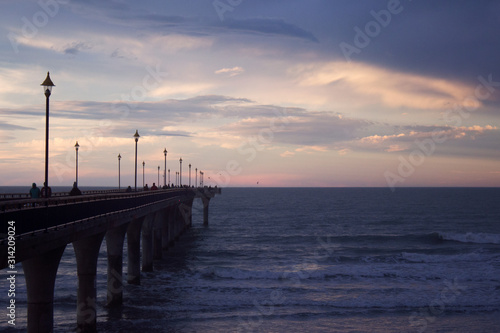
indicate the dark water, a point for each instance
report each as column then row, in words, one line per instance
column 315, row 260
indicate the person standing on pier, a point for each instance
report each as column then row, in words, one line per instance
column 34, row 191
column 46, row 191
column 75, row 190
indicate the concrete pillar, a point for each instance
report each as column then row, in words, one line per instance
column 186, row 213
column 134, row 251
column 147, row 243
column 87, row 252
column 40, row 273
column 114, row 242
column 206, row 201
column 165, row 238
column 178, row 222
column 157, row 229
column 173, row 227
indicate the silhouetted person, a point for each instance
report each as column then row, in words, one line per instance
column 34, row 191
column 46, row 191
column 146, row 188
column 75, row 190
column 129, row 189
column 154, row 187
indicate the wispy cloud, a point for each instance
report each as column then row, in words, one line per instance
column 231, row 71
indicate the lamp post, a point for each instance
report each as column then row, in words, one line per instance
column 143, row 164
column 136, row 137
column 165, row 170
column 76, row 149
column 189, row 174
column 158, row 175
column 196, row 177
column 47, row 88
column 168, row 177
column 119, row 158
column 180, row 172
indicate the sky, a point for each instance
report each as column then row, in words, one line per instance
column 253, row 93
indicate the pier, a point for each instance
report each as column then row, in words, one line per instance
column 151, row 220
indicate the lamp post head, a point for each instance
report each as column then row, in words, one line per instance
column 47, row 85
column 180, row 160
column 119, row 157
column 143, row 163
column 136, row 136
column 165, row 151
column 77, row 146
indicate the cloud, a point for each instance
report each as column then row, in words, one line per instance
column 152, row 20
column 287, row 154
column 394, row 89
column 268, row 26
column 76, row 47
column 449, row 136
column 230, row 71
column 9, row 127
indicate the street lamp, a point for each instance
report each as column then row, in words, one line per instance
column 119, row 158
column 168, row 177
column 136, row 137
column 143, row 164
column 47, row 88
column 165, row 171
column 196, row 177
column 180, row 172
column 189, row 174
column 76, row 148
column 158, row 175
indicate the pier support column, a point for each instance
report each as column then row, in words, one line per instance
column 134, row 251
column 178, row 222
column 158, row 225
column 172, row 225
column 186, row 213
column 40, row 273
column 165, row 238
column 87, row 252
column 114, row 241
column 147, row 243
column 206, row 201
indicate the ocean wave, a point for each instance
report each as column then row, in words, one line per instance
column 441, row 258
column 341, row 273
column 470, row 237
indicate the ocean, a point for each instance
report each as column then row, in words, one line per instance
column 312, row 260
